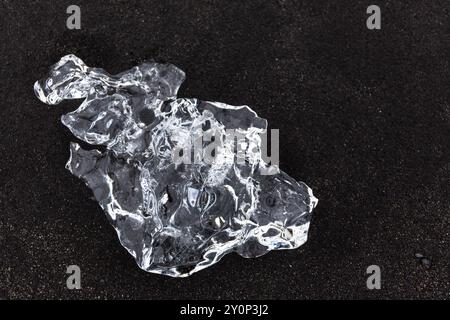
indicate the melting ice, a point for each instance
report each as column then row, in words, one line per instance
column 175, row 218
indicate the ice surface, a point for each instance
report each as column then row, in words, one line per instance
column 176, row 212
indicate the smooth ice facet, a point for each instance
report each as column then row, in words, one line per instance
column 175, row 218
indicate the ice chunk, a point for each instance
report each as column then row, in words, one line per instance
column 178, row 205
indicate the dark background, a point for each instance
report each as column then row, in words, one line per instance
column 363, row 118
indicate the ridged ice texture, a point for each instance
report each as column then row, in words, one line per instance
column 175, row 219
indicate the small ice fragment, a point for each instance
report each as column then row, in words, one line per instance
column 175, row 218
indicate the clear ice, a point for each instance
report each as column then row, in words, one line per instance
column 175, row 218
